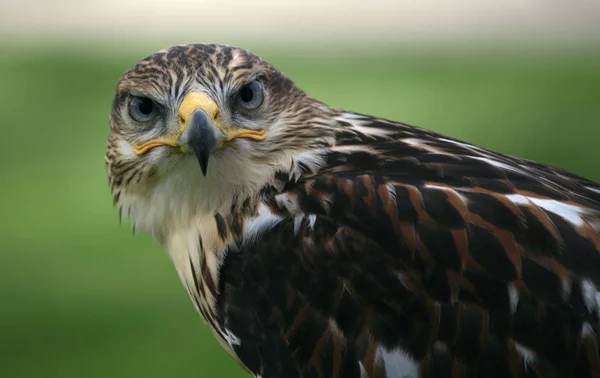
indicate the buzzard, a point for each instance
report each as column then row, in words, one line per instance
column 318, row 242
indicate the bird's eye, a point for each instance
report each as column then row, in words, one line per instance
column 251, row 95
column 142, row 109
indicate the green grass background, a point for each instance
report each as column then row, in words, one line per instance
column 81, row 297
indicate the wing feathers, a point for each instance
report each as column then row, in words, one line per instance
column 413, row 255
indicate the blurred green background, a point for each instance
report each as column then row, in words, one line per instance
column 81, row 297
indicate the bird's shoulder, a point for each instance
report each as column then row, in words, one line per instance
column 410, row 253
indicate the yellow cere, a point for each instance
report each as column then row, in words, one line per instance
column 195, row 101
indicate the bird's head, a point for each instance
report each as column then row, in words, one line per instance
column 193, row 127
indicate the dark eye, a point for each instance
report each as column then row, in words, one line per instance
column 142, row 109
column 251, row 95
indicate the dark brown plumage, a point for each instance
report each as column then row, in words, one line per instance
column 343, row 245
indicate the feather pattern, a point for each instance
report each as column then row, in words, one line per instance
column 347, row 245
column 427, row 257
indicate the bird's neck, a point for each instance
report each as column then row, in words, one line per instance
column 198, row 241
column 197, row 252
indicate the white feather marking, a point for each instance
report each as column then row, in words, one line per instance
column 335, row 327
column 414, row 142
column 299, row 218
column 313, row 159
column 448, row 190
column 588, row 290
column 312, row 218
column 288, row 202
column 125, row 149
column 371, row 131
column 353, row 148
column 401, row 279
column 498, row 164
column 264, row 221
column 461, row 144
column 231, row 338
column 513, row 296
column 350, row 116
column 363, row 371
column 570, row 213
column 593, row 189
column 595, row 225
column 422, row 145
column 433, row 186
column 397, row 363
column 591, row 296
column 587, row 331
column 519, row 199
column 298, row 222
column 392, row 190
column 527, row 356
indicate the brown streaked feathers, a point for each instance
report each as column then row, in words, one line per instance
column 346, row 245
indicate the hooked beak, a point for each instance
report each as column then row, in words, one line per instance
column 199, row 130
column 201, row 137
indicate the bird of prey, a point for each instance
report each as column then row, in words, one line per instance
column 318, row 242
